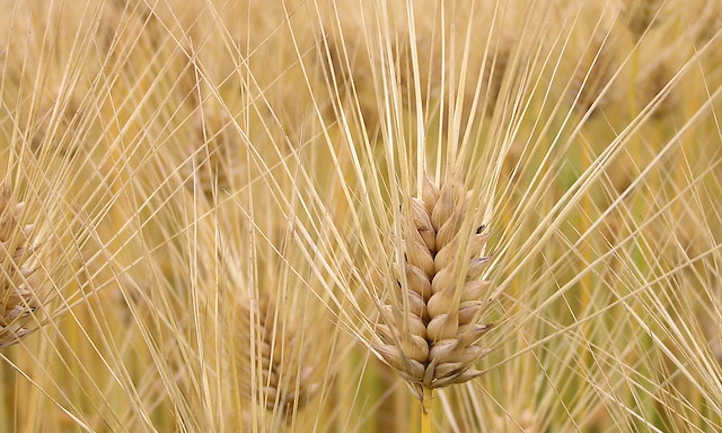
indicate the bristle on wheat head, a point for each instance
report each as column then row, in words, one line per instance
column 17, row 300
column 274, row 341
column 431, row 336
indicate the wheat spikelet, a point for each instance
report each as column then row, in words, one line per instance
column 17, row 299
column 434, row 342
column 640, row 15
column 215, row 157
column 590, row 80
column 346, row 76
column 497, row 66
column 55, row 117
column 654, row 85
column 274, row 343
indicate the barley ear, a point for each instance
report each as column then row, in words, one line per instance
column 431, row 337
column 274, row 343
column 18, row 296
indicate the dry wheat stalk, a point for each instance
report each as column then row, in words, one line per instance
column 435, row 341
column 17, row 297
column 274, row 342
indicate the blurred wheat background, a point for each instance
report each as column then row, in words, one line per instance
column 208, row 207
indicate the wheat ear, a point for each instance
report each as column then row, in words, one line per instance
column 431, row 336
column 17, row 297
column 274, row 343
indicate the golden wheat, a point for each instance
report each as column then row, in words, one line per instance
column 228, row 224
column 279, row 352
column 435, row 343
column 19, row 296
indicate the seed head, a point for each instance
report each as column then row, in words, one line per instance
column 431, row 336
column 215, row 158
column 17, row 300
column 274, row 344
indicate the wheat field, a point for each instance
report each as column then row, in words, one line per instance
column 360, row 216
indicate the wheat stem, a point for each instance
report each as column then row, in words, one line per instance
column 426, row 411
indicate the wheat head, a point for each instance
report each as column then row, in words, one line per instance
column 435, row 341
column 274, row 344
column 17, row 297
